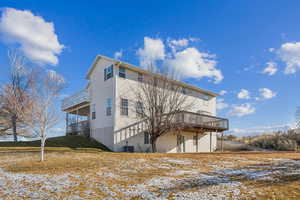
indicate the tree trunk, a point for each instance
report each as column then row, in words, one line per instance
column 14, row 126
column 153, row 145
column 43, row 140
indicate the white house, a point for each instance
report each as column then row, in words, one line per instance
column 101, row 110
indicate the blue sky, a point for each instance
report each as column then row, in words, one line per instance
column 238, row 39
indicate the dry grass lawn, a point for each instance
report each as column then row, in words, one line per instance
column 91, row 174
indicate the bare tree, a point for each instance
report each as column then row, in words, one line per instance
column 5, row 123
column 13, row 94
column 158, row 99
column 42, row 114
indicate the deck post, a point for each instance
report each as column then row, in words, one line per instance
column 197, row 142
column 222, row 142
column 210, row 136
column 67, row 123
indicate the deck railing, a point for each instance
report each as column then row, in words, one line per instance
column 201, row 121
column 75, row 99
column 183, row 119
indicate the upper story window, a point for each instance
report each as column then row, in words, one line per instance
column 124, row 107
column 139, row 109
column 140, row 77
column 108, row 72
column 93, row 111
column 108, row 107
column 122, row 72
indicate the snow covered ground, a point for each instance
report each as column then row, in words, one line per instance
column 162, row 177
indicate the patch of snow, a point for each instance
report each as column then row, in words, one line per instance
column 216, row 192
column 182, row 172
column 177, row 161
column 33, row 186
column 161, row 182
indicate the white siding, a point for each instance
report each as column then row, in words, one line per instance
column 100, row 90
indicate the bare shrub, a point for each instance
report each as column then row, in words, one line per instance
column 277, row 141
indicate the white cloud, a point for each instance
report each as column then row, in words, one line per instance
column 271, row 68
column 154, row 50
column 271, row 49
column 221, row 104
column 289, row 53
column 180, row 43
column 241, row 110
column 118, row 54
column 265, row 94
column 36, row 37
column 190, row 62
column 186, row 61
column 243, row 94
column 223, row 92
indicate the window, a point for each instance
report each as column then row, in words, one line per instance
column 139, row 109
column 183, row 90
column 93, row 111
column 108, row 72
column 140, row 77
column 124, row 107
column 108, row 106
column 122, row 72
column 146, row 138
